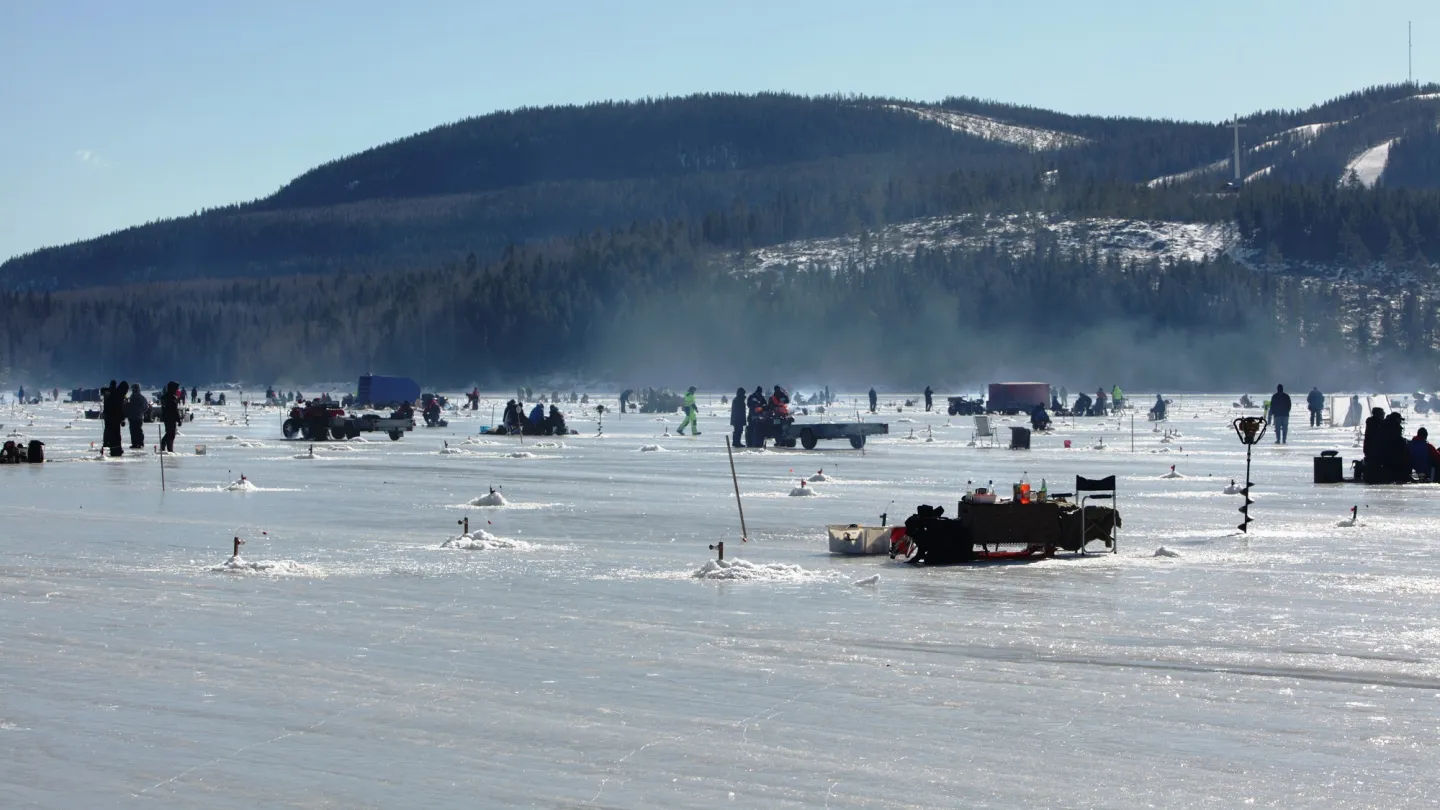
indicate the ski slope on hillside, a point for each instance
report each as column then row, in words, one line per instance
column 1368, row 166
column 1033, row 138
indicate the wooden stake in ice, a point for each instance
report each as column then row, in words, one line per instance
column 734, row 479
column 238, row 544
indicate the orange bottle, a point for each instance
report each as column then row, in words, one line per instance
column 1025, row 488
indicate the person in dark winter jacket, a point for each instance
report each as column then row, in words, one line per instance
column 1397, row 449
column 170, row 415
column 112, row 411
column 1280, row 414
column 1316, row 403
column 136, row 407
column 555, row 423
column 1424, row 458
column 738, row 417
column 537, row 418
column 929, row 398
column 873, row 400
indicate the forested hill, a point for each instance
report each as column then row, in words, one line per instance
column 464, row 192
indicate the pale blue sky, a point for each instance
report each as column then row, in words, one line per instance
column 117, row 112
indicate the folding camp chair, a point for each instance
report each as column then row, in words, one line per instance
column 983, row 430
column 1105, row 491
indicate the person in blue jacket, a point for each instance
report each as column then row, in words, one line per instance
column 537, row 417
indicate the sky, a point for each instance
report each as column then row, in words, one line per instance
column 120, row 113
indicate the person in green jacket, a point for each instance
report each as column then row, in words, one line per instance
column 1117, row 398
column 688, row 404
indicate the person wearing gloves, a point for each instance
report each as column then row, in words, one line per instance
column 691, row 414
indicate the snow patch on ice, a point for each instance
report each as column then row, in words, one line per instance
column 520, row 454
column 873, row 579
column 652, row 448
column 239, row 565
column 803, row 491
column 490, row 499
column 1165, row 552
column 485, row 541
column 757, row 572
column 243, row 485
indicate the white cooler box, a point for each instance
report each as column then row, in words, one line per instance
column 857, row 539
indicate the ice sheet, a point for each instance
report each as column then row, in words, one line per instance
column 1297, row 665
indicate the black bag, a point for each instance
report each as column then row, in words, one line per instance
column 36, row 453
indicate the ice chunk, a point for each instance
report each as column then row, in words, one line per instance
column 484, row 541
column 746, row 570
column 873, row 579
column 1165, row 552
column 492, row 498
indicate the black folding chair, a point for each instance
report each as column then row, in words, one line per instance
column 1104, row 489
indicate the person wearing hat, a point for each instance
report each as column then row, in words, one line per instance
column 738, row 416
column 170, row 414
column 691, row 412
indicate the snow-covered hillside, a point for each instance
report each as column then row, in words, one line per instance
column 1033, row 138
column 1367, row 167
column 1125, row 239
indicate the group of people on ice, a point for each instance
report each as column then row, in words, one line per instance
column 538, row 423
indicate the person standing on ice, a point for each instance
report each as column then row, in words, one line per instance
column 873, row 400
column 691, row 414
column 1316, row 401
column 929, row 398
column 135, row 409
column 738, row 416
column 1280, row 414
column 1117, row 398
column 112, row 411
column 170, row 415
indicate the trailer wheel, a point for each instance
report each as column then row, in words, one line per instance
column 291, row 428
column 351, row 432
column 807, row 439
column 857, row 442
column 396, row 434
column 337, row 433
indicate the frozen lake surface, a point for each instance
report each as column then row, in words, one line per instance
column 567, row 656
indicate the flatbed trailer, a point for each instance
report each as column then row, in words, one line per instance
column 787, row 433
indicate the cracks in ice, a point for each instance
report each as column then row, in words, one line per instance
column 742, row 724
column 312, row 727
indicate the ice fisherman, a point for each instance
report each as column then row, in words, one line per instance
column 1039, row 419
column 1316, row 402
column 555, row 423
column 873, row 400
column 1280, row 414
column 780, row 402
column 1424, row 458
column 537, row 418
column 755, row 403
column 691, row 413
column 1117, row 397
column 738, row 417
column 135, row 409
column 170, row 414
column 1158, row 409
column 929, row 398
column 112, row 411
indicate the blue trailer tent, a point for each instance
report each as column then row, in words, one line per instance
column 386, row 392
